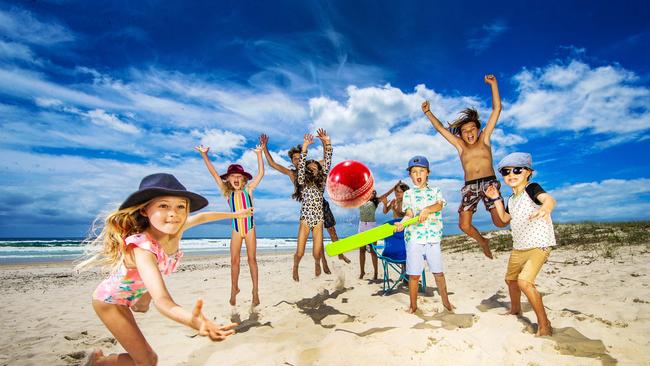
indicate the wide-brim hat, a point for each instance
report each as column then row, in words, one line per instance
column 163, row 184
column 236, row 169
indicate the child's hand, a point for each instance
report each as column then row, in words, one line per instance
column 263, row 140
column 399, row 226
column 202, row 149
column 540, row 214
column 308, row 139
column 208, row 328
column 490, row 79
column 258, row 149
column 240, row 214
column 424, row 214
column 492, row 192
column 322, row 135
column 425, row 106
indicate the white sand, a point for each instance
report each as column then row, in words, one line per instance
column 599, row 308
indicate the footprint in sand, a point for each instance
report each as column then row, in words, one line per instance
column 569, row 341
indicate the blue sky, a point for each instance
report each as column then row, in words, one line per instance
column 94, row 96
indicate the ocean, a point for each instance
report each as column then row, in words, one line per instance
column 63, row 249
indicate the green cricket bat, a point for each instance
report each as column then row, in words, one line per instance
column 370, row 236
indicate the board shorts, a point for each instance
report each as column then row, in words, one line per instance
column 417, row 254
column 328, row 216
column 526, row 264
column 474, row 191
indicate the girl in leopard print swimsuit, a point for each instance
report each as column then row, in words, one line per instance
column 309, row 190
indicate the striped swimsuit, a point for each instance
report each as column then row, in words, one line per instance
column 239, row 201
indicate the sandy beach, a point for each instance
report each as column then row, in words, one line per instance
column 599, row 307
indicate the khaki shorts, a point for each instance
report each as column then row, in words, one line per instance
column 525, row 264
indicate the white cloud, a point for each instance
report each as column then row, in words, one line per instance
column 101, row 118
column 577, row 97
column 489, row 34
column 221, row 142
column 21, row 25
column 17, row 51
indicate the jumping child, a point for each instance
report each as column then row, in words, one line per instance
column 367, row 221
column 529, row 214
column 309, row 192
column 475, row 151
column 140, row 243
column 238, row 191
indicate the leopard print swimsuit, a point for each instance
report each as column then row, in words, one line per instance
column 311, row 210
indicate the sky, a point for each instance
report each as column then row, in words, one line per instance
column 96, row 95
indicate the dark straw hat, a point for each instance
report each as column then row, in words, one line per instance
column 162, row 184
column 236, row 169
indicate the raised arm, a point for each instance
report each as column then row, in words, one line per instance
column 264, row 139
column 203, row 150
column 493, row 193
column 307, row 140
column 453, row 139
column 327, row 150
column 491, row 80
column 260, row 169
column 388, row 205
column 148, row 269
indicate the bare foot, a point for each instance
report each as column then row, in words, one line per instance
column 233, row 296
column 485, row 245
column 374, row 278
column 344, row 258
column 317, row 269
column 326, row 269
column 411, row 310
column 92, row 357
column 546, row 330
column 361, row 275
column 448, row 306
column 516, row 312
column 295, row 274
column 256, row 298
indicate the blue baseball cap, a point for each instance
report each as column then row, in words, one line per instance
column 418, row 160
column 516, row 159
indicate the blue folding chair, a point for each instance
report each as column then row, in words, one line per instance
column 393, row 259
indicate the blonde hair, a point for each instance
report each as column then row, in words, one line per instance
column 106, row 248
column 228, row 188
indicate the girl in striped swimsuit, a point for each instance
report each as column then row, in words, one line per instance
column 238, row 185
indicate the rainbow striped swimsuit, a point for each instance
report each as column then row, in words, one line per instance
column 239, row 201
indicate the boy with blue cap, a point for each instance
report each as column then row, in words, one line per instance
column 529, row 214
column 423, row 239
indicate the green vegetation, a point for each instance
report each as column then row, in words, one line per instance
column 603, row 237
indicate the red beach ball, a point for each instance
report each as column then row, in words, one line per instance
column 350, row 184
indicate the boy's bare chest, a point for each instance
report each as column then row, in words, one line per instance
column 477, row 161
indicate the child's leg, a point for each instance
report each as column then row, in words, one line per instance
column 465, row 224
column 323, row 259
column 303, row 234
column 235, row 255
column 442, row 290
column 375, row 263
column 535, row 300
column 413, row 293
column 120, row 322
column 496, row 219
column 317, row 238
column 515, row 298
column 335, row 237
column 251, row 255
column 362, row 261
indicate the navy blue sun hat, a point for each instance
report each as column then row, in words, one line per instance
column 418, row 160
column 516, row 159
column 163, row 184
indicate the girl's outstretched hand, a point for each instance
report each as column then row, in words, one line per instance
column 208, row 328
column 258, row 149
column 425, row 106
column 202, row 149
column 322, row 135
column 308, row 139
column 264, row 139
column 240, row 214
